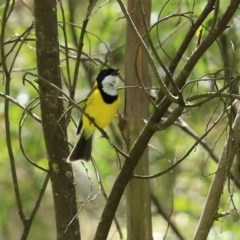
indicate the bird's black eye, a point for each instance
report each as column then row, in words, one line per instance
column 115, row 72
column 110, row 71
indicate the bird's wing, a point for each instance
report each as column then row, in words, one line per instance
column 87, row 101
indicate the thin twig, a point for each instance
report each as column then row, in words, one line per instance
column 187, row 129
column 212, row 202
column 80, row 47
column 185, row 155
column 9, row 98
column 28, row 222
column 101, row 187
column 6, row 13
column 21, row 122
column 152, row 62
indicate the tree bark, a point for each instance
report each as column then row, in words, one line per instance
column 139, row 224
column 54, row 130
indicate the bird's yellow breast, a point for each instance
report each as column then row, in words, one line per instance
column 101, row 112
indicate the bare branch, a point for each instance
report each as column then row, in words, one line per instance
column 164, row 88
column 80, row 47
column 28, row 222
column 210, row 209
column 6, row 13
column 185, row 155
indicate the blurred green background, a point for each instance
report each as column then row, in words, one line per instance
column 181, row 192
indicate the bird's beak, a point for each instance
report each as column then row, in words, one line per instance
column 116, row 72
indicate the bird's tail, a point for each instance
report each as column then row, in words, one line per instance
column 82, row 150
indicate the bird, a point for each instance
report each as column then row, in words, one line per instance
column 101, row 105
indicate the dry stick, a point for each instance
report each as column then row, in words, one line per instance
column 209, row 213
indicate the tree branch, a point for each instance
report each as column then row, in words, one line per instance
column 6, row 70
column 212, row 202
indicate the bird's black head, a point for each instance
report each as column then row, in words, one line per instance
column 107, row 84
column 106, row 72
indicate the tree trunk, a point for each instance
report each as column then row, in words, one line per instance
column 136, row 110
column 54, row 130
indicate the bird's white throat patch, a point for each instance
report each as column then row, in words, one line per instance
column 109, row 85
